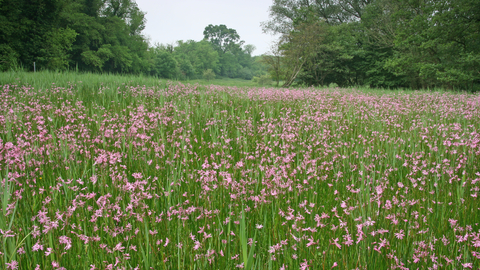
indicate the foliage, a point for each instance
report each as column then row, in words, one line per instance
column 245, row 73
column 57, row 45
column 263, row 80
column 221, row 51
column 300, row 46
column 274, row 62
column 439, row 45
column 284, row 14
column 106, row 36
column 91, row 35
column 208, row 75
column 165, row 65
column 332, row 60
column 234, row 61
column 195, row 57
column 223, row 39
column 8, row 57
column 384, row 43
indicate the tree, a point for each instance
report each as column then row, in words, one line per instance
column 108, row 35
column 223, row 39
column 274, row 63
column 229, row 65
column 186, row 69
column 32, row 31
column 263, row 80
column 284, row 13
column 128, row 11
column 332, row 60
column 245, row 73
column 97, row 58
column 208, row 75
column 381, row 43
column 55, row 50
column 232, row 58
column 165, row 65
column 198, row 56
column 300, row 46
column 249, row 48
column 8, row 58
column 205, row 57
column 93, row 35
column 438, row 43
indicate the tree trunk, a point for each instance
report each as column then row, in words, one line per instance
column 294, row 75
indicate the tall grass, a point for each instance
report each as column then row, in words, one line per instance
column 111, row 172
column 45, row 79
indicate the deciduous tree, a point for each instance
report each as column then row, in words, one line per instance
column 299, row 46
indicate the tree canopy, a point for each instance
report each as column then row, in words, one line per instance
column 190, row 59
column 106, row 36
column 92, row 35
column 380, row 43
column 377, row 43
column 220, row 53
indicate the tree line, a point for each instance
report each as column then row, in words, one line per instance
column 378, row 43
column 90, row 35
column 106, row 36
column 221, row 52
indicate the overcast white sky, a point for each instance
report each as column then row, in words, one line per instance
column 172, row 20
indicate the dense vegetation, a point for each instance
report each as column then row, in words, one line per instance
column 221, row 52
column 93, row 35
column 376, row 43
column 380, row 43
column 106, row 36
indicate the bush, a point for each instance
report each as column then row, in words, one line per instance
column 208, row 75
column 245, row 73
column 8, row 58
column 263, row 80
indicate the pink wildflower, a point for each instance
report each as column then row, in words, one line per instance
column 66, row 240
column 12, row 265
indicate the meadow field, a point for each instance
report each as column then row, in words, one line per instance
column 137, row 173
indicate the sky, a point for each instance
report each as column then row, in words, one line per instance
column 169, row 21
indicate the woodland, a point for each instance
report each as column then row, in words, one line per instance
column 416, row 44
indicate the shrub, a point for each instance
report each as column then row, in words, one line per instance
column 263, row 80
column 208, row 75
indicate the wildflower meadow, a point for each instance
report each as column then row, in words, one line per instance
column 174, row 176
